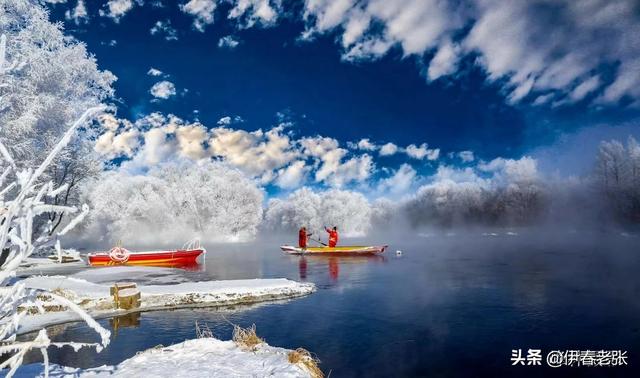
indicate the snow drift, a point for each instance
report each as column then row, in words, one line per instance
column 205, row 357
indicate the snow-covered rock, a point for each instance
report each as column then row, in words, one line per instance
column 206, row 357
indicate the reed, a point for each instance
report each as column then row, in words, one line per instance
column 246, row 338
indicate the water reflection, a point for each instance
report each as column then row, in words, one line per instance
column 124, row 321
column 333, row 263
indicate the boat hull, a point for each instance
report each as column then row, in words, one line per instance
column 173, row 258
column 333, row 251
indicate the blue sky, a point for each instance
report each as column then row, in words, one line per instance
column 454, row 77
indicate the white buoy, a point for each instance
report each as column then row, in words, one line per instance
column 398, row 253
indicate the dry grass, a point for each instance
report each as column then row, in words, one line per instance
column 203, row 331
column 246, row 338
column 310, row 363
column 68, row 294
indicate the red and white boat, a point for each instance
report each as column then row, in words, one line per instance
column 186, row 256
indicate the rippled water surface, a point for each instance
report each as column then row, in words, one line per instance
column 449, row 305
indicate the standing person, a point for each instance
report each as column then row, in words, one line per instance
column 303, row 237
column 333, row 236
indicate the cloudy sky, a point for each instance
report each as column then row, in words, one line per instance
column 343, row 93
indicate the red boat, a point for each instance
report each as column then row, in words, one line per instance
column 186, row 256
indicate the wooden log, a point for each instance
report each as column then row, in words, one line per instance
column 121, row 285
column 128, row 298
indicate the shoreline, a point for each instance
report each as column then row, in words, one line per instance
column 96, row 301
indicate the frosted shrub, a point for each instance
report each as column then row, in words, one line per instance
column 348, row 210
column 175, row 202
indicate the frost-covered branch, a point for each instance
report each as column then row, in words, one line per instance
column 21, row 201
column 17, row 242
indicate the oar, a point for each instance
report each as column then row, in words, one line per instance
column 317, row 241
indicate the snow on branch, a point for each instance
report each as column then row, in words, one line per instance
column 21, row 200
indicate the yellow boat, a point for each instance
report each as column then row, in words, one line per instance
column 341, row 250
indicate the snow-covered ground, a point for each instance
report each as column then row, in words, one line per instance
column 205, row 357
column 95, row 299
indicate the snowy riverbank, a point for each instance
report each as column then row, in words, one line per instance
column 96, row 300
column 205, row 357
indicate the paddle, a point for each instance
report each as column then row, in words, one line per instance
column 317, row 241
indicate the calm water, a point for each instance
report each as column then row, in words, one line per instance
column 450, row 305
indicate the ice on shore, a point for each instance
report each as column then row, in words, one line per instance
column 96, row 300
column 205, row 357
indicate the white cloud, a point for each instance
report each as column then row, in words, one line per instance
column 116, row 9
column 543, row 99
column 445, row 61
column 400, row 181
column 78, row 14
column 466, row 156
column 293, row 175
column 164, row 28
column 318, row 146
column 523, row 169
column 157, row 147
column 459, row 175
column 112, row 145
column 422, row 151
column 415, row 25
column 154, row 72
column 224, row 121
column 228, row 42
column 356, row 169
column 528, row 47
column 109, row 121
column 202, row 10
column 388, row 149
column 191, row 139
column 514, row 39
column 331, row 167
column 252, row 12
column 228, row 120
column 585, row 88
column 163, row 89
column 271, row 156
column 254, row 152
column 363, row 144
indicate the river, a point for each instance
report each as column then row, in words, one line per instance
column 449, row 304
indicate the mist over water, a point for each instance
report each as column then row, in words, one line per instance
column 455, row 302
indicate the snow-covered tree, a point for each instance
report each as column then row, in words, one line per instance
column 53, row 82
column 349, row 211
column 510, row 192
column 176, row 201
column 617, row 174
column 612, row 164
column 22, row 198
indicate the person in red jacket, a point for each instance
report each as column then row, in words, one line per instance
column 333, row 236
column 303, row 237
